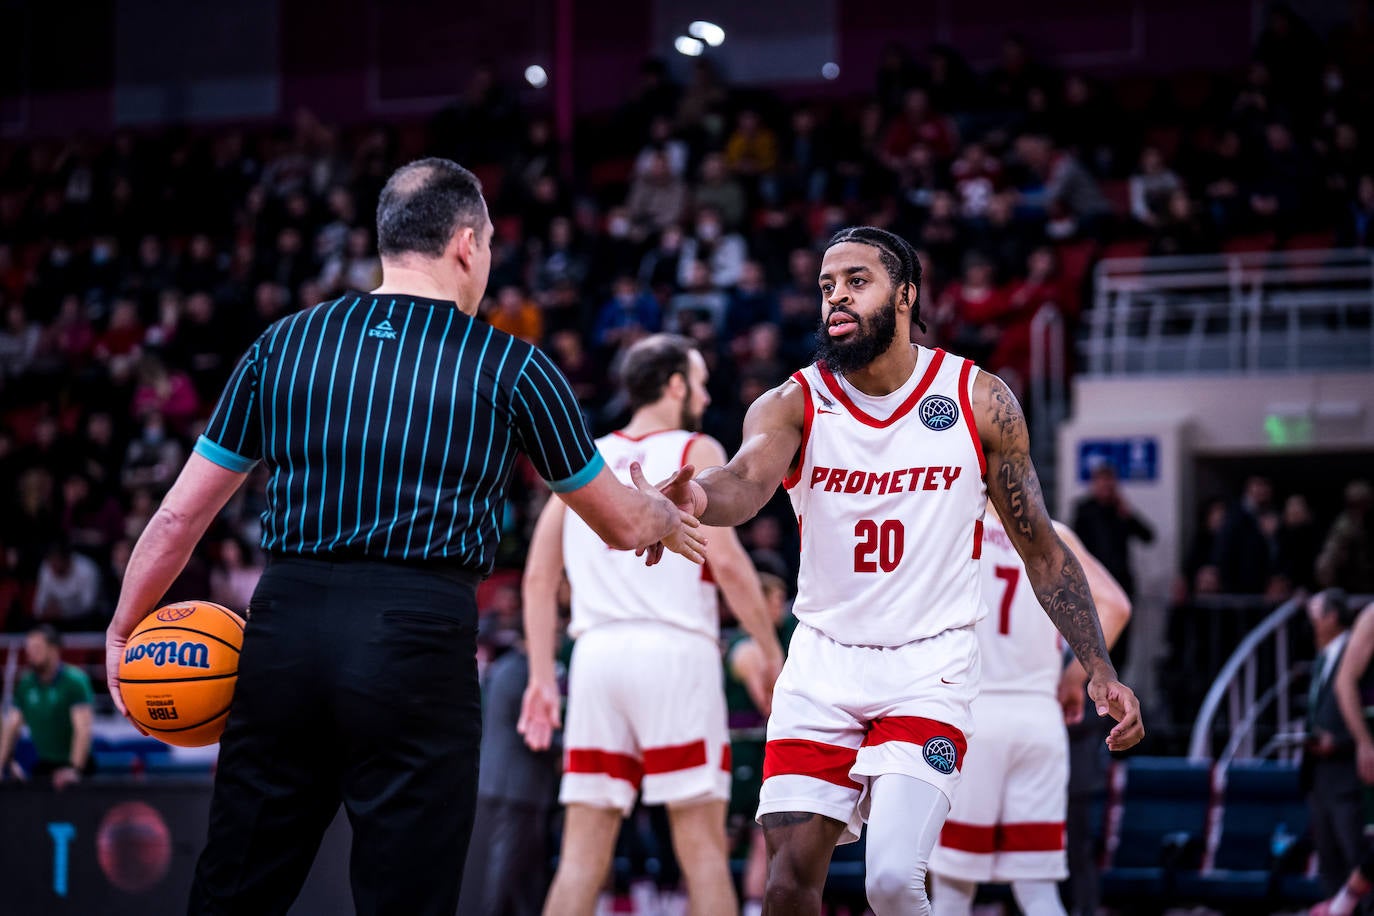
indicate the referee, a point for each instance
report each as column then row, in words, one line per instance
column 389, row 423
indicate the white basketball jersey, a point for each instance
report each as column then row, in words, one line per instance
column 611, row 585
column 1021, row 649
column 889, row 497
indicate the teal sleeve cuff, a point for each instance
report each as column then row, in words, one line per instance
column 231, row 461
column 581, row 478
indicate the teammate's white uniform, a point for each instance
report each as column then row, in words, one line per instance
column 889, row 497
column 646, row 702
column 1007, row 822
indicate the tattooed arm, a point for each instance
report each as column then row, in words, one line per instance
column 1054, row 572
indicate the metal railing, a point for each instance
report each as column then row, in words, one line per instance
column 1247, row 705
column 1261, row 311
column 1238, row 685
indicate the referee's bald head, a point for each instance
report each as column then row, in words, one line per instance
column 424, row 203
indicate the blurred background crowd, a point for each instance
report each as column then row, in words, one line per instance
column 135, row 268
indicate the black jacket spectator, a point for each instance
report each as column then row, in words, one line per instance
column 1107, row 524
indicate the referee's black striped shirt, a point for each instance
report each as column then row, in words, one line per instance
column 390, row 426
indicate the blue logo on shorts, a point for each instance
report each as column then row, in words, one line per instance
column 938, row 412
column 941, row 754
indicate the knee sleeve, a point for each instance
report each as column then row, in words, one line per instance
column 1038, row 898
column 905, row 817
column 951, row 896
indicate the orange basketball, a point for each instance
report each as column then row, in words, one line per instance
column 179, row 669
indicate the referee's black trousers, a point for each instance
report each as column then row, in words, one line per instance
column 357, row 684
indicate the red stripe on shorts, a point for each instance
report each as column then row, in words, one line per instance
column 916, row 730
column 799, row 757
column 969, row 837
column 676, row 757
column 726, row 759
column 604, row 763
column 1031, row 837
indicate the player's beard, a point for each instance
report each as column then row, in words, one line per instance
column 872, row 337
column 689, row 421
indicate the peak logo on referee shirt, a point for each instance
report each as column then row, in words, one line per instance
column 383, row 331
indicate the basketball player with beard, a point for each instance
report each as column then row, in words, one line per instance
column 646, row 703
column 889, row 452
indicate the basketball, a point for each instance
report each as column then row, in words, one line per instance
column 179, row 669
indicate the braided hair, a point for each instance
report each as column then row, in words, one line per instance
column 898, row 258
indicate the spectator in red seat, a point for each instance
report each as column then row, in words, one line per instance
column 1042, row 286
column 941, row 236
column 614, row 251
column 977, row 178
column 658, row 269
column 153, row 457
column 356, row 268
column 752, row 149
column 516, row 314
column 91, row 520
column 701, row 299
column 1151, row 187
column 124, row 334
column 751, row 302
column 1283, row 185
column 918, row 123
column 233, row 575
column 657, row 198
column 1181, row 230
column 950, row 81
column 630, row 314
column 563, row 259
column 20, row 339
column 1225, row 174
column 200, row 269
column 662, row 140
column 723, row 251
column 168, row 393
column 68, row 592
column 161, row 335
column 70, row 338
column 569, row 354
column 808, row 157
column 1070, row 195
column 720, row 192
column 968, row 313
column 98, row 454
column 1357, row 230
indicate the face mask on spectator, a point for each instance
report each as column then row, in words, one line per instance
column 708, row 230
column 618, row 227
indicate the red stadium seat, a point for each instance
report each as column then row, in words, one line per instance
column 1311, row 241
column 1127, row 248
column 1075, row 258
column 490, row 175
column 1244, row 243
column 1118, row 194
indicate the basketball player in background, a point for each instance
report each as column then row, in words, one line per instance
column 1007, row 822
column 646, row 704
column 889, row 452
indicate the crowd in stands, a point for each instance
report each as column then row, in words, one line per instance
column 134, row 269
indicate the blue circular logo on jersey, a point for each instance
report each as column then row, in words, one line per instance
column 941, row 754
column 938, row 412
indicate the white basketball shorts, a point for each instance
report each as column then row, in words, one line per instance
column 845, row 714
column 1007, row 822
column 646, row 710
